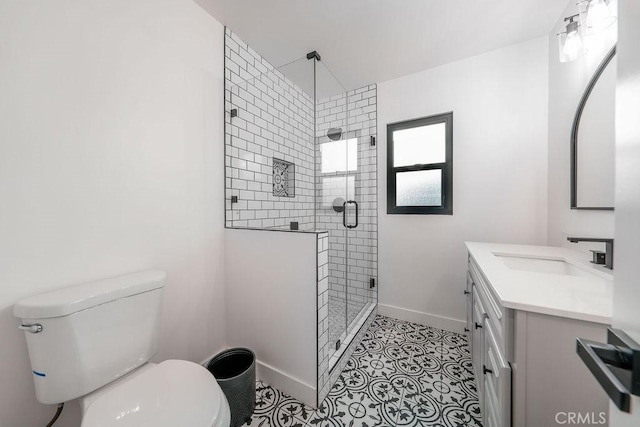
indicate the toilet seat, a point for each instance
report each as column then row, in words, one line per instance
column 172, row 393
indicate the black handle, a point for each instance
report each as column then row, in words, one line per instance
column 466, row 329
column 466, row 292
column 486, row 371
column 344, row 214
column 357, row 214
column 615, row 365
column 478, row 325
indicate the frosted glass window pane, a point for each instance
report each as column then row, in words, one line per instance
column 421, row 145
column 337, row 156
column 419, row 188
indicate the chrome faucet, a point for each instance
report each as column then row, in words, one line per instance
column 608, row 256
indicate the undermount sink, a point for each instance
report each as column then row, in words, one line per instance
column 543, row 265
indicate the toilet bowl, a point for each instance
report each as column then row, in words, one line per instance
column 93, row 342
column 172, row 393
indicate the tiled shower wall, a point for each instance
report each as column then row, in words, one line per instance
column 355, row 113
column 323, row 309
column 275, row 121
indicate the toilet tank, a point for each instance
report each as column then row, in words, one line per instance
column 92, row 334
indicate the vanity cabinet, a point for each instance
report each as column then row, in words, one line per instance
column 526, row 366
column 491, row 368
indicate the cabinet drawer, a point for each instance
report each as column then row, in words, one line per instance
column 497, row 381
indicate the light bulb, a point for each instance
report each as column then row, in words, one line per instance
column 572, row 45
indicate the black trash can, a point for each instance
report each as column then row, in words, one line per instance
column 235, row 371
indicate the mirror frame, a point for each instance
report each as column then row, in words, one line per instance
column 574, row 133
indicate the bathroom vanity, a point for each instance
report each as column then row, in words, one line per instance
column 526, row 305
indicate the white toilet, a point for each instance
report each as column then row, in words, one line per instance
column 94, row 342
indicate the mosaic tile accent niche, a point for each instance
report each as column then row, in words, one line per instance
column 284, row 178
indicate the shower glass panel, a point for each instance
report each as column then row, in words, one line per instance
column 346, row 202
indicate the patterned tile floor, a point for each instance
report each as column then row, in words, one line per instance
column 402, row 374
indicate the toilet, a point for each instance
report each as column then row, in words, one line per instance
column 93, row 342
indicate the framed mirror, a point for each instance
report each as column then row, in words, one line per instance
column 593, row 141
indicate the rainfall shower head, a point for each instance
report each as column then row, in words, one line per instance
column 334, row 134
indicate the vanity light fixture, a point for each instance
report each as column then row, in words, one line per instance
column 596, row 15
column 570, row 41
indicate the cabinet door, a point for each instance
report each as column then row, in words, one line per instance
column 468, row 293
column 477, row 341
column 497, row 383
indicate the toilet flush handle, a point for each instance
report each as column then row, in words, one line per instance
column 34, row 329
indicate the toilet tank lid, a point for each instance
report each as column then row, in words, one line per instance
column 72, row 299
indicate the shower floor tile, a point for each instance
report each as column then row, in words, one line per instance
column 339, row 313
column 402, row 374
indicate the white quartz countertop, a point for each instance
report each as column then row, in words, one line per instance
column 588, row 297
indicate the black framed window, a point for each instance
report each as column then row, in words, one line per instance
column 420, row 166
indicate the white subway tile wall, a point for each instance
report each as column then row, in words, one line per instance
column 323, row 309
column 274, row 120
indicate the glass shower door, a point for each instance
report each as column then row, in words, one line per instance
column 346, row 202
column 332, row 183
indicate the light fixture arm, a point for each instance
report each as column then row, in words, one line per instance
column 571, row 18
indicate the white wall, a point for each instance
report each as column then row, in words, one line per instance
column 110, row 130
column 271, row 296
column 626, row 292
column 499, row 101
column 567, row 82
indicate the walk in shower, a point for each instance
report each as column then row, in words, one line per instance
column 300, row 157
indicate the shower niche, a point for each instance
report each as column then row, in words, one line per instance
column 299, row 148
column 284, row 178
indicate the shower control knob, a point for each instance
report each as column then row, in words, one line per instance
column 34, row 329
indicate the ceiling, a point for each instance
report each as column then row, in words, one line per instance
column 370, row 41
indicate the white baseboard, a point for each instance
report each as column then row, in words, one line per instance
column 282, row 381
column 287, row 384
column 432, row 320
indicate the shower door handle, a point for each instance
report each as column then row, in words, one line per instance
column 357, row 214
column 344, row 214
